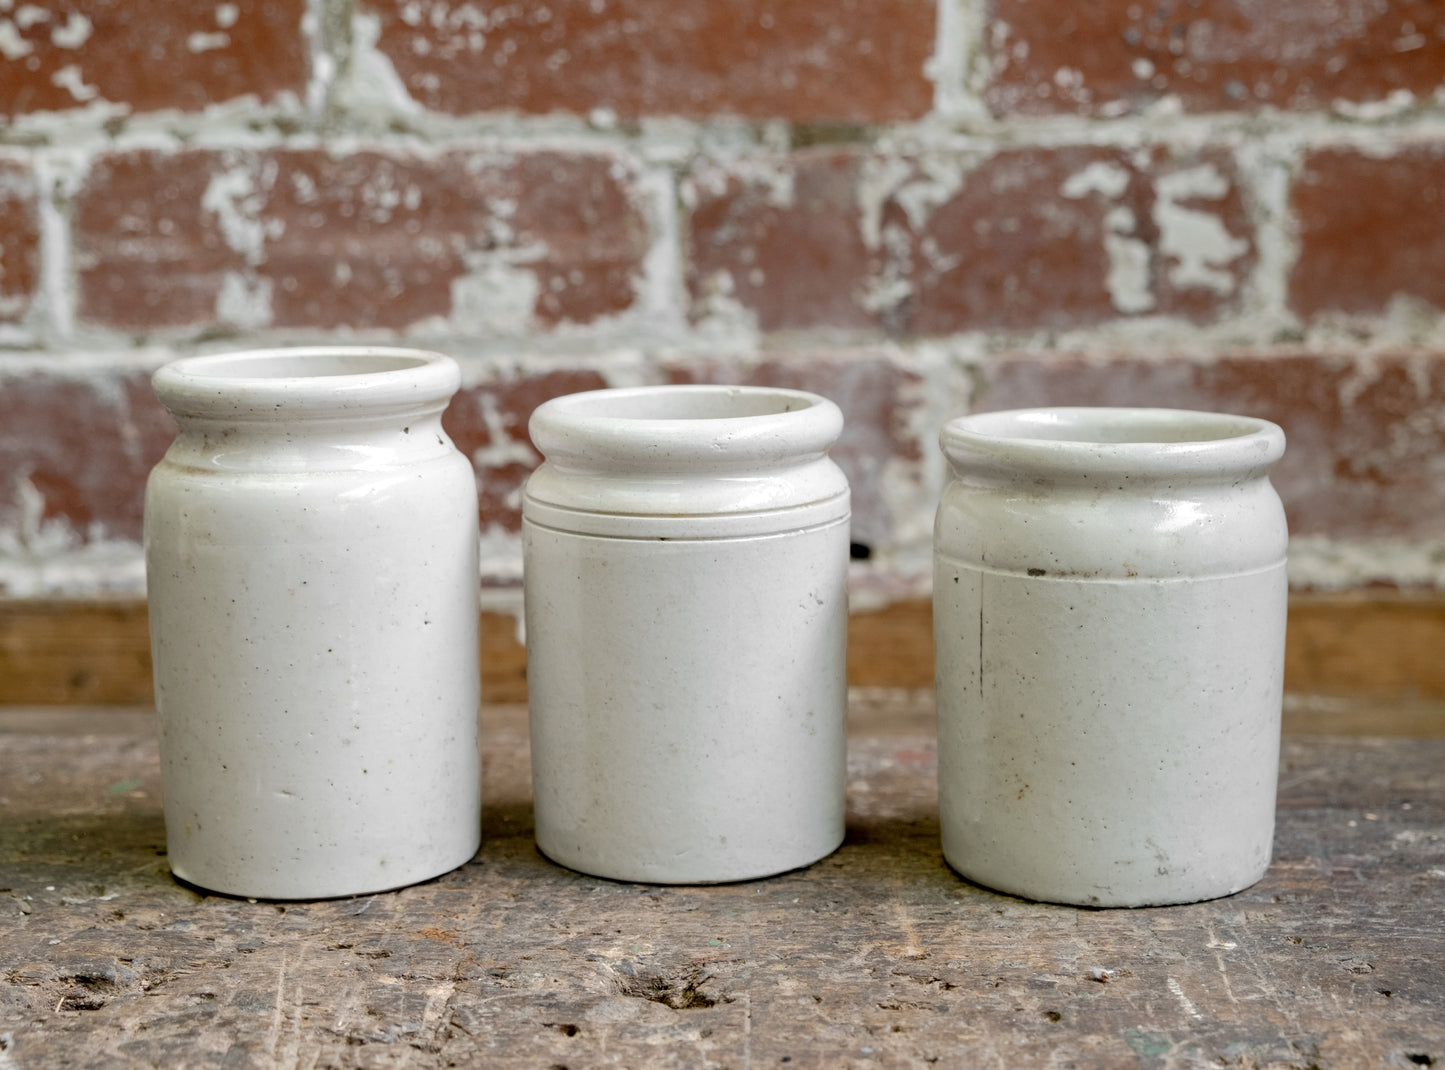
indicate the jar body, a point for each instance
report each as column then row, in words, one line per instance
column 1109, row 613
column 686, row 648
column 313, row 588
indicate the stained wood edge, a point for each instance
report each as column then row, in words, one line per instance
column 1376, row 645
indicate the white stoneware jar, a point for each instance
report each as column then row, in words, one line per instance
column 1109, row 614
column 311, row 562
column 686, row 610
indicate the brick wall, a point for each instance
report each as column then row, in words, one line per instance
column 917, row 207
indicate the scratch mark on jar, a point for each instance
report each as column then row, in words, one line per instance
column 982, row 584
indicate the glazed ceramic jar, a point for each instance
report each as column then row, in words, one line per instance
column 686, row 554
column 311, row 562
column 1109, row 614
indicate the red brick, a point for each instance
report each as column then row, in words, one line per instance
column 19, row 241
column 1365, row 441
column 488, row 423
column 150, row 54
column 1112, row 57
column 879, row 446
column 787, row 245
column 849, row 60
column 1024, row 239
column 85, row 445
column 148, row 253
column 1369, row 229
column 304, row 239
column 1043, row 238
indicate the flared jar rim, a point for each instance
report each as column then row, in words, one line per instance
column 1132, row 442
column 307, row 382
column 648, row 428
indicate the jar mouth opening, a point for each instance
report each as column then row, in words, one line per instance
column 681, row 404
column 306, row 381
column 303, row 364
column 1110, row 426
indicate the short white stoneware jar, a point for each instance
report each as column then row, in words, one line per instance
column 686, row 559
column 311, row 562
column 1109, row 615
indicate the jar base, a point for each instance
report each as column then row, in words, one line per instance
column 1162, row 897
column 645, row 874
column 310, row 890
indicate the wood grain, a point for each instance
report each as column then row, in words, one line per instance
column 876, row 956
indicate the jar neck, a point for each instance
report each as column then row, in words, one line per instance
column 681, row 461
column 375, row 441
column 1112, row 495
column 813, row 494
column 308, row 407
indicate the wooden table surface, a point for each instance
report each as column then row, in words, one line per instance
column 877, row 956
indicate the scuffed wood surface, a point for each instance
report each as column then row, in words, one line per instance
column 878, row 956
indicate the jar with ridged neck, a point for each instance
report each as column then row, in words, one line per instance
column 686, row 557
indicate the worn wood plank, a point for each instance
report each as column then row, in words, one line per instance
column 1372, row 645
column 98, row 653
column 892, row 646
column 1363, row 715
column 877, row 956
column 1367, row 642
column 74, row 653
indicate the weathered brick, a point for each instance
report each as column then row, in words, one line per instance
column 499, row 243
column 19, row 241
column 1369, row 230
column 488, row 423
column 784, row 240
column 149, row 54
column 1021, row 239
column 879, row 449
column 148, row 253
column 1366, row 444
column 849, row 60
column 1112, row 57
column 1058, row 238
column 76, row 452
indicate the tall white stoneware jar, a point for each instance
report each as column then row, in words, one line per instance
column 686, row 609
column 311, row 562
column 1109, row 614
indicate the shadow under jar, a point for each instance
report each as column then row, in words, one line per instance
column 1109, row 616
column 686, row 555
column 311, row 564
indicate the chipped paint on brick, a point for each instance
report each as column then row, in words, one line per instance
column 1323, row 563
column 491, row 296
column 1197, row 241
column 373, row 86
